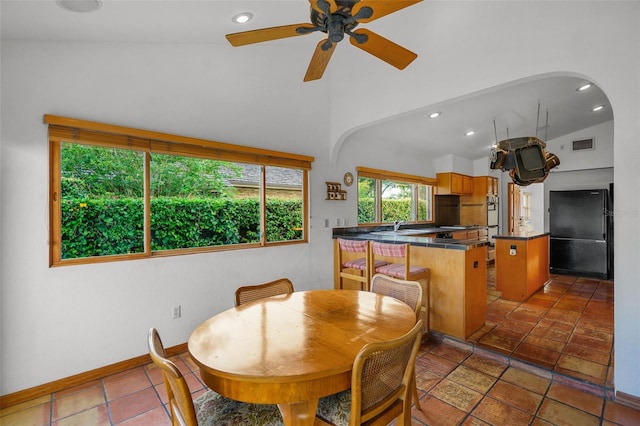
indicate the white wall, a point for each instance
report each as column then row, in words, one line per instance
column 600, row 157
column 71, row 319
column 61, row 321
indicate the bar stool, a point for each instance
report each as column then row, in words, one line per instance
column 398, row 265
column 351, row 261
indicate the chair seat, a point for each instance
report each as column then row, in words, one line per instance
column 397, row 270
column 213, row 409
column 361, row 264
column 335, row 408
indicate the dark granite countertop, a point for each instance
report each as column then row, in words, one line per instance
column 521, row 235
column 412, row 234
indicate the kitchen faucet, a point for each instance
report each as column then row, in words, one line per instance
column 396, row 225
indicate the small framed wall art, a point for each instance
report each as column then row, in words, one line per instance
column 335, row 191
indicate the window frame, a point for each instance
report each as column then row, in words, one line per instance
column 71, row 130
column 386, row 175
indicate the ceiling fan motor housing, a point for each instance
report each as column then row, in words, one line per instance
column 337, row 23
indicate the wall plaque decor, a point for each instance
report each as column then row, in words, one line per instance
column 335, row 191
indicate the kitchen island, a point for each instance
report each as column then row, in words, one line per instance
column 458, row 273
column 522, row 264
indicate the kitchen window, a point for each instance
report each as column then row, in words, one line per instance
column 119, row 193
column 385, row 197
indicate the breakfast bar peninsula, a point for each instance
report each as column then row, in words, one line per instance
column 457, row 285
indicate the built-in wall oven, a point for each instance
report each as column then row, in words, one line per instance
column 492, row 216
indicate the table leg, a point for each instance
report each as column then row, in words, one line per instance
column 299, row 413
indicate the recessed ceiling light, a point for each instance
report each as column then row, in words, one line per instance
column 469, row 133
column 434, row 114
column 242, row 18
column 597, row 108
column 80, row 5
column 584, row 87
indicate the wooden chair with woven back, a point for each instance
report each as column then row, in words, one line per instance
column 250, row 293
column 351, row 262
column 398, row 258
column 409, row 292
column 210, row 408
column 380, row 385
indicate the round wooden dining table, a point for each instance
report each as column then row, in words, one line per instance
column 293, row 349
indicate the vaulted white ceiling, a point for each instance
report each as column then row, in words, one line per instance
column 513, row 107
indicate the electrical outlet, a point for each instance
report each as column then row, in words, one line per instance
column 176, row 312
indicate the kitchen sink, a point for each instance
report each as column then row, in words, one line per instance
column 402, row 232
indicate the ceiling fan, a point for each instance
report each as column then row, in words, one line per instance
column 337, row 18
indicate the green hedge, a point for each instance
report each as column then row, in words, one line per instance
column 100, row 227
column 391, row 210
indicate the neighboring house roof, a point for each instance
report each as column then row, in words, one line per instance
column 276, row 176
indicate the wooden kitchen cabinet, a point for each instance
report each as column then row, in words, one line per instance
column 454, row 183
column 492, row 185
column 479, row 234
column 485, row 185
column 467, row 185
column 470, row 234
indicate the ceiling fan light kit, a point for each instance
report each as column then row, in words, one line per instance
column 336, row 18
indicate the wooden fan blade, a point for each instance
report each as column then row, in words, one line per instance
column 319, row 61
column 381, row 7
column 384, row 49
column 266, row 34
column 333, row 7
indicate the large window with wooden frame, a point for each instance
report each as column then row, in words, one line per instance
column 121, row 193
column 385, row 197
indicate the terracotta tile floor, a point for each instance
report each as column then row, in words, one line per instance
column 457, row 384
column 460, row 383
column 566, row 327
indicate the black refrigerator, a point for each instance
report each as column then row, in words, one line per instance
column 580, row 228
